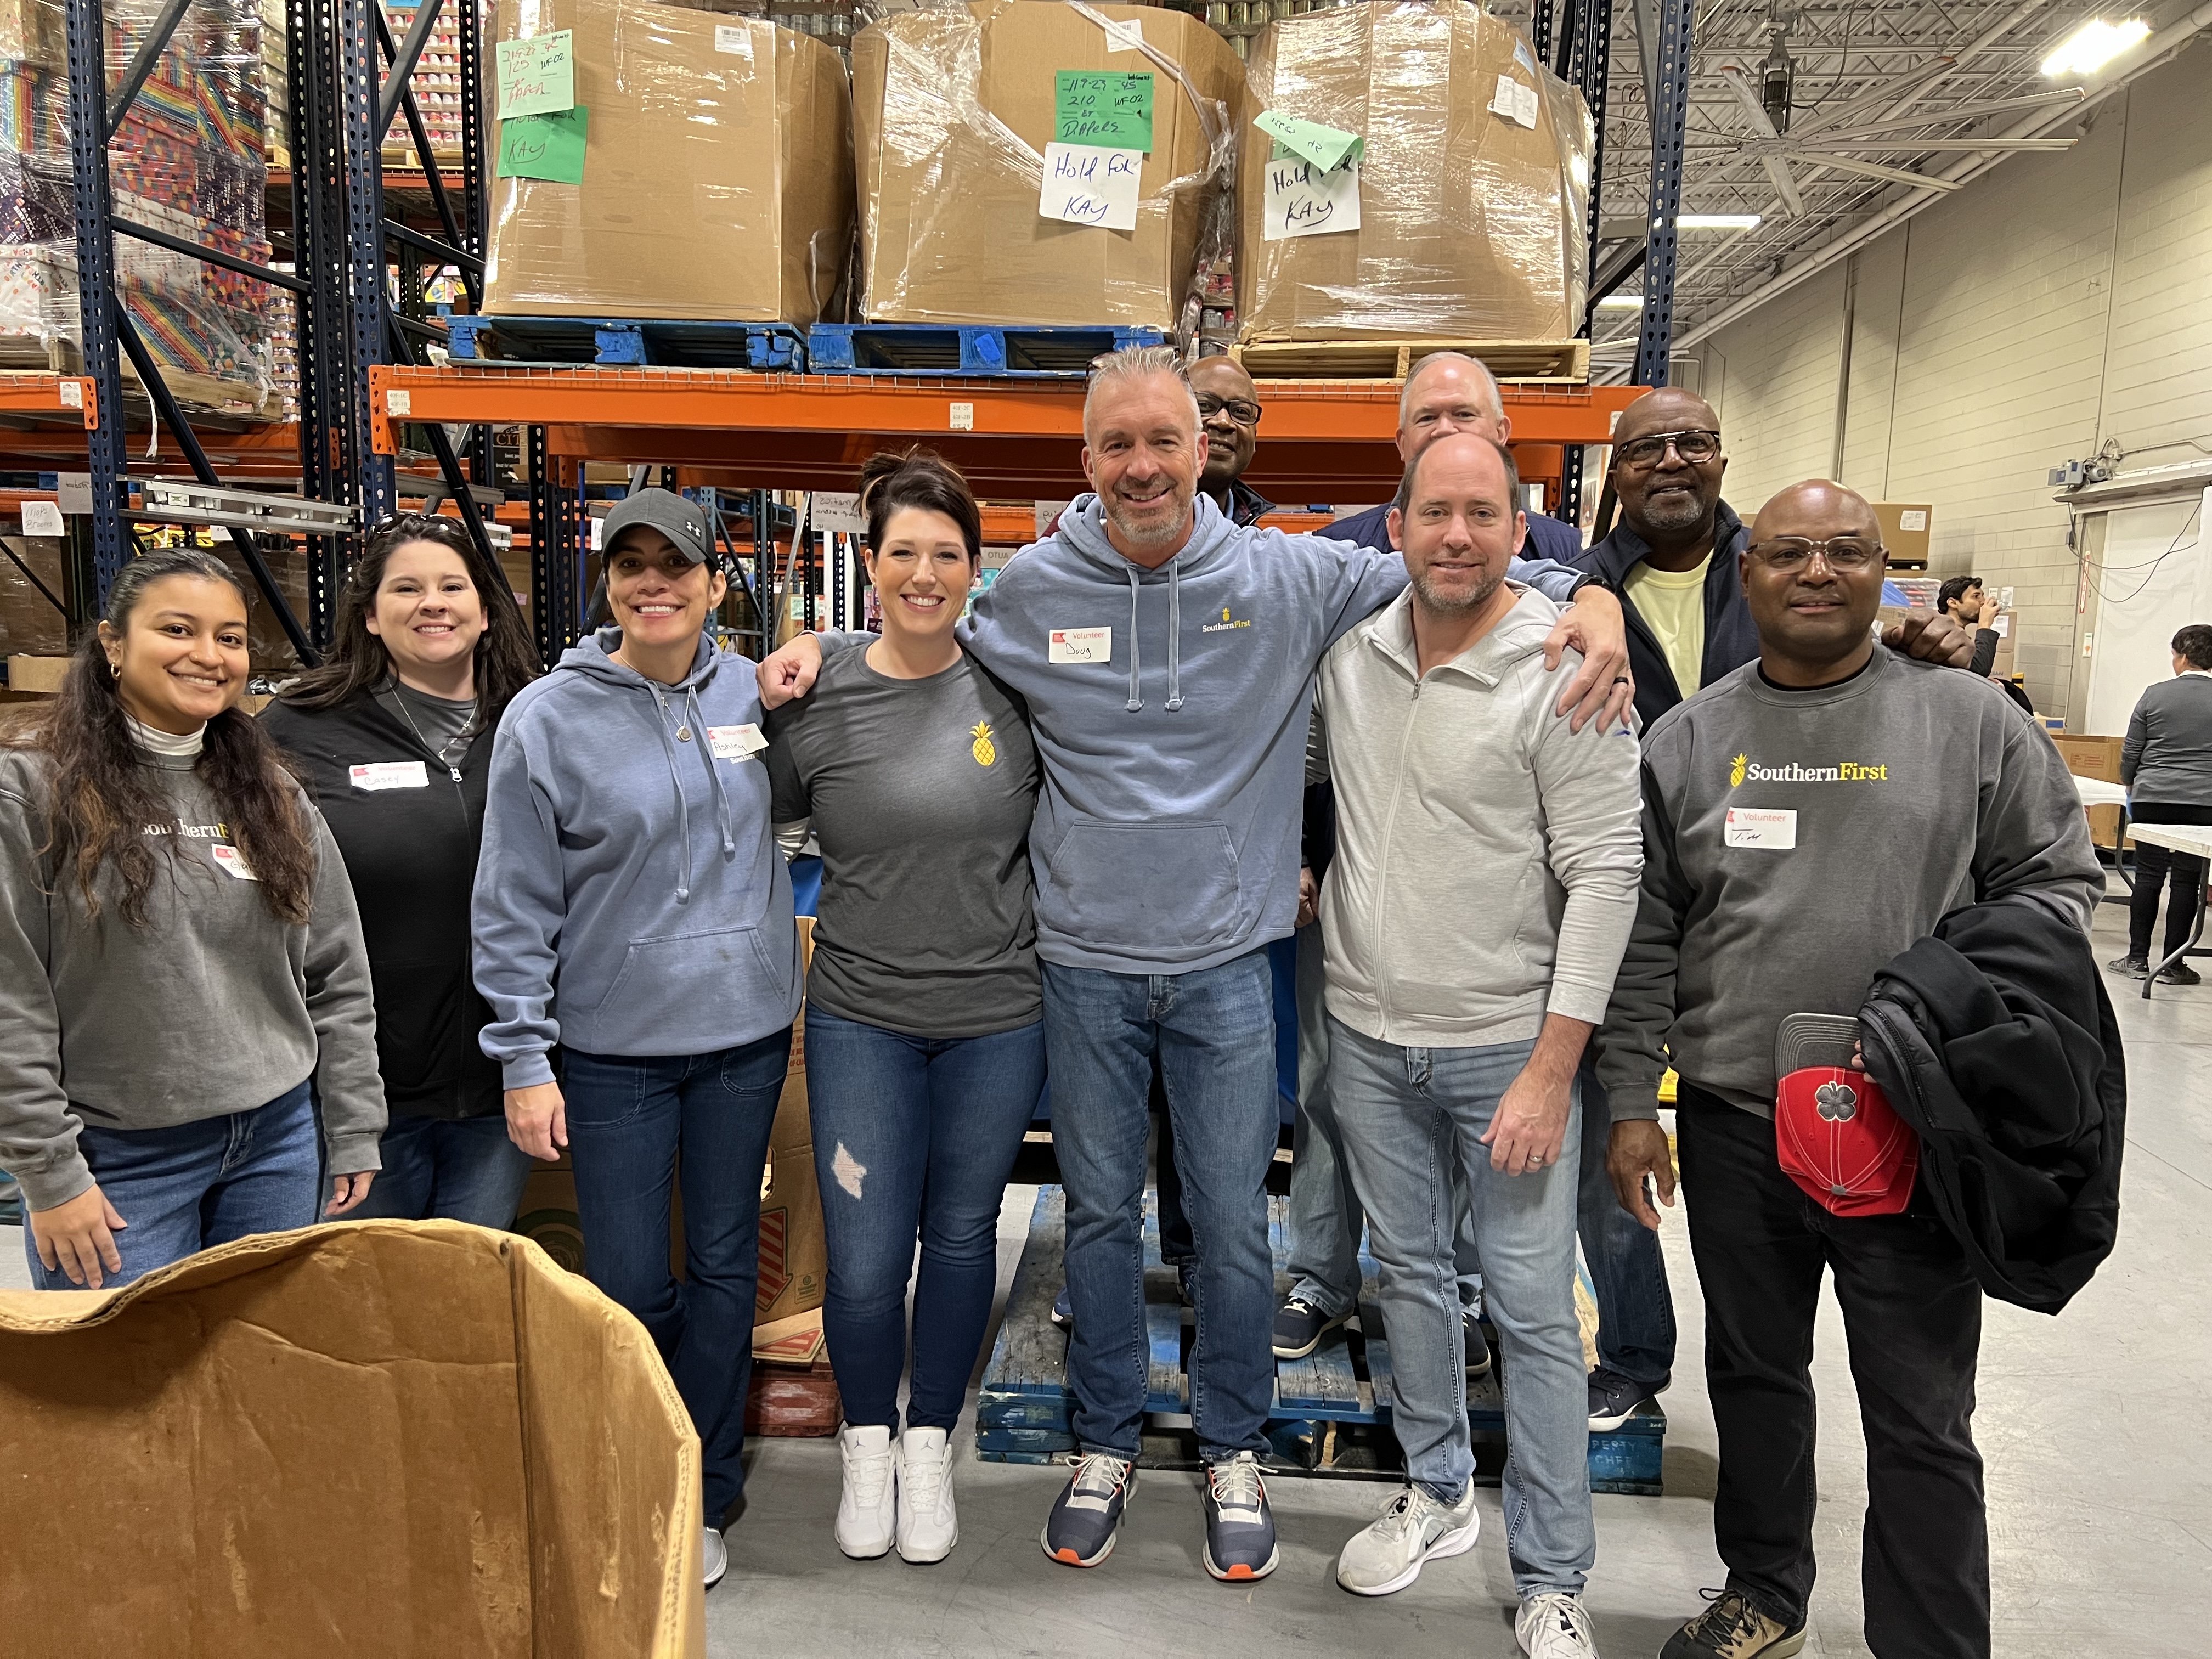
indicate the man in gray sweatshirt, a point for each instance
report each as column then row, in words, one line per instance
column 1807, row 818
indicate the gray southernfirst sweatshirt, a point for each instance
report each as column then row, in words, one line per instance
column 1795, row 841
column 215, row 1006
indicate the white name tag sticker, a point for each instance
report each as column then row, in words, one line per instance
column 1775, row 831
column 736, row 743
column 1081, row 645
column 390, row 774
column 232, row 862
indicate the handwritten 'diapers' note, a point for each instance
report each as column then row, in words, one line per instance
column 1109, row 108
column 550, row 147
column 538, row 77
column 1302, row 200
column 1091, row 185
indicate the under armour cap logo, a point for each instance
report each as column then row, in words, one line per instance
column 1837, row 1102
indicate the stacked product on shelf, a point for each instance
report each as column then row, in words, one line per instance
column 960, row 112
column 188, row 161
column 1462, row 212
column 436, row 84
column 715, row 172
column 274, row 70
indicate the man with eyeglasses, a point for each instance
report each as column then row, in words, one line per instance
column 1229, row 419
column 1768, row 801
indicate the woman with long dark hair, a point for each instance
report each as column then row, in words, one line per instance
column 924, row 1035
column 182, row 979
column 394, row 734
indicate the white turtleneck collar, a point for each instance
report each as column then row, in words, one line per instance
column 167, row 744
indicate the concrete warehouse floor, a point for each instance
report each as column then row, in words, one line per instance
column 2097, row 1481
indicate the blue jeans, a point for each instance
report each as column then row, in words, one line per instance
column 1214, row 1033
column 627, row 1120
column 1409, row 1114
column 193, row 1186
column 912, row 1135
column 1635, row 1309
column 447, row 1169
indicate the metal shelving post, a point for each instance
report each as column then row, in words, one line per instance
column 1669, row 119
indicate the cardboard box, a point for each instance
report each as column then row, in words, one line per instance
column 366, row 1437
column 1905, row 528
column 1472, row 225
column 951, row 112
column 718, row 173
column 2094, row 757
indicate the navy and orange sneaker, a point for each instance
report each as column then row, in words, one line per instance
column 1084, row 1518
column 1240, row 1533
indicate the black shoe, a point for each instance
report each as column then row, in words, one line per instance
column 1734, row 1629
column 2133, row 967
column 1299, row 1327
column 1063, row 1311
column 1187, row 1282
column 1477, row 1350
column 1613, row 1400
column 2180, row 973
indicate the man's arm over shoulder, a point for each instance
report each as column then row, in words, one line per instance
column 1355, row 581
column 2031, row 834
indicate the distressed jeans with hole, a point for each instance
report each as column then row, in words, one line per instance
column 1407, row 1114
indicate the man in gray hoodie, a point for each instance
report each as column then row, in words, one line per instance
column 1166, row 856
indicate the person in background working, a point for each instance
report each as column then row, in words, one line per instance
column 925, row 1024
column 1483, row 890
column 1673, row 558
column 632, row 910
column 181, row 970
column 1772, row 800
column 2165, row 761
column 391, row 732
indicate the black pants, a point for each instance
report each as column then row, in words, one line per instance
column 1913, row 1315
column 2152, row 866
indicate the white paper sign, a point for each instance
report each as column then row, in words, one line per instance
column 1776, row 831
column 1091, row 185
column 1081, row 645
column 840, row 511
column 1514, row 101
column 43, row 518
column 963, row 418
column 1127, row 36
column 736, row 743
column 389, row 775
column 734, row 39
column 1914, row 518
column 232, row 862
column 73, row 491
column 1302, row 201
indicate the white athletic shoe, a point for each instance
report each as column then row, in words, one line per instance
column 715, row 1556
column 928, row 1525
column 868, row 1507
column 1551, row 1624
column 1415, row 1529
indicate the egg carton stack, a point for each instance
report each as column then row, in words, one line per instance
column 274, row 72
column 437, row 83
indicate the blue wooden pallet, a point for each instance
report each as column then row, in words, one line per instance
column 964, row 348
column 1332, row 1408
column 626, row 340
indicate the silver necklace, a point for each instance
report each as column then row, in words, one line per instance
column 451, row 763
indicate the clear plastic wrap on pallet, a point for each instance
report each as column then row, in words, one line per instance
column 953, row 108
column 1472, row 198
column 717, row 172
column 188, row 161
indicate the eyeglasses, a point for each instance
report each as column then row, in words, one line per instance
column 1846, row 554
column 1242, row 410
column 1696, row 447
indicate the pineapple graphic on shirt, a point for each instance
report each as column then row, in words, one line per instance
column 985, row 752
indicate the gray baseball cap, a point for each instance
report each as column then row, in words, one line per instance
column 682, row 522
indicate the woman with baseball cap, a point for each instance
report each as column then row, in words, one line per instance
column 633, row 914
column 925, row 1040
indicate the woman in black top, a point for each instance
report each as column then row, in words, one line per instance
column 394, row 734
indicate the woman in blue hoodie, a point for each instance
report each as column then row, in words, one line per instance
column 633, row 912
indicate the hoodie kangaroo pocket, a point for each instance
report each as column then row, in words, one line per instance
column 1146, row 886
column 654, row 1000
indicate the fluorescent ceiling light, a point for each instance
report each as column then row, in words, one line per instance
column 1717, row 221
column 2094, row 45
column 1621, row 302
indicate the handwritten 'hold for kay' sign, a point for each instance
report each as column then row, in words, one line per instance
column 1110, row 108
column 1304, row 200
column 1091, row 184
column 536, row 76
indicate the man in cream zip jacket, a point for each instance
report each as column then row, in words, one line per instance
column 1485, row 884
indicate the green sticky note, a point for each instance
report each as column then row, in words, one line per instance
column 538, row 77
column 1110, row 108
column 550, row 147
column 1327, row 147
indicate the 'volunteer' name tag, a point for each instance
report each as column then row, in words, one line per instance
column 232, row 862
column 390, row 774
column 736, row 743
column 1081, row 645
column 1775, row 829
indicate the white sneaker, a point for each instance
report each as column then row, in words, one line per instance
column 868, row 1507
column 1415, row 1529
column 928, row 1525
column 715, row 1556
column 1551, row 1624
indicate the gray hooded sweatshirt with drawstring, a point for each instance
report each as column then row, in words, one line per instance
column 630, row 899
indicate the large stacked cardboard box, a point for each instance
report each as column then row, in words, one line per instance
column 1473, row 194
column 717, row 179
column 953, row 109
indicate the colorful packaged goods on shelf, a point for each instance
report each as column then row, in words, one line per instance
column 1467, row 204
column 188, row 161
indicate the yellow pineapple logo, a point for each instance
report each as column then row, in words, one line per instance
column 1735, row 769
column 985, row 752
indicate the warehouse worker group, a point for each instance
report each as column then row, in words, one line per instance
column 1057, row 837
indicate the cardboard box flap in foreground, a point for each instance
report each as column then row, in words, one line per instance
column 370, row 1438
column 953, row 109
column 1474, row 189
column 717, row 178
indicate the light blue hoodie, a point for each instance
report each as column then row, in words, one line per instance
column 629, row 899
column 1166, row 839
